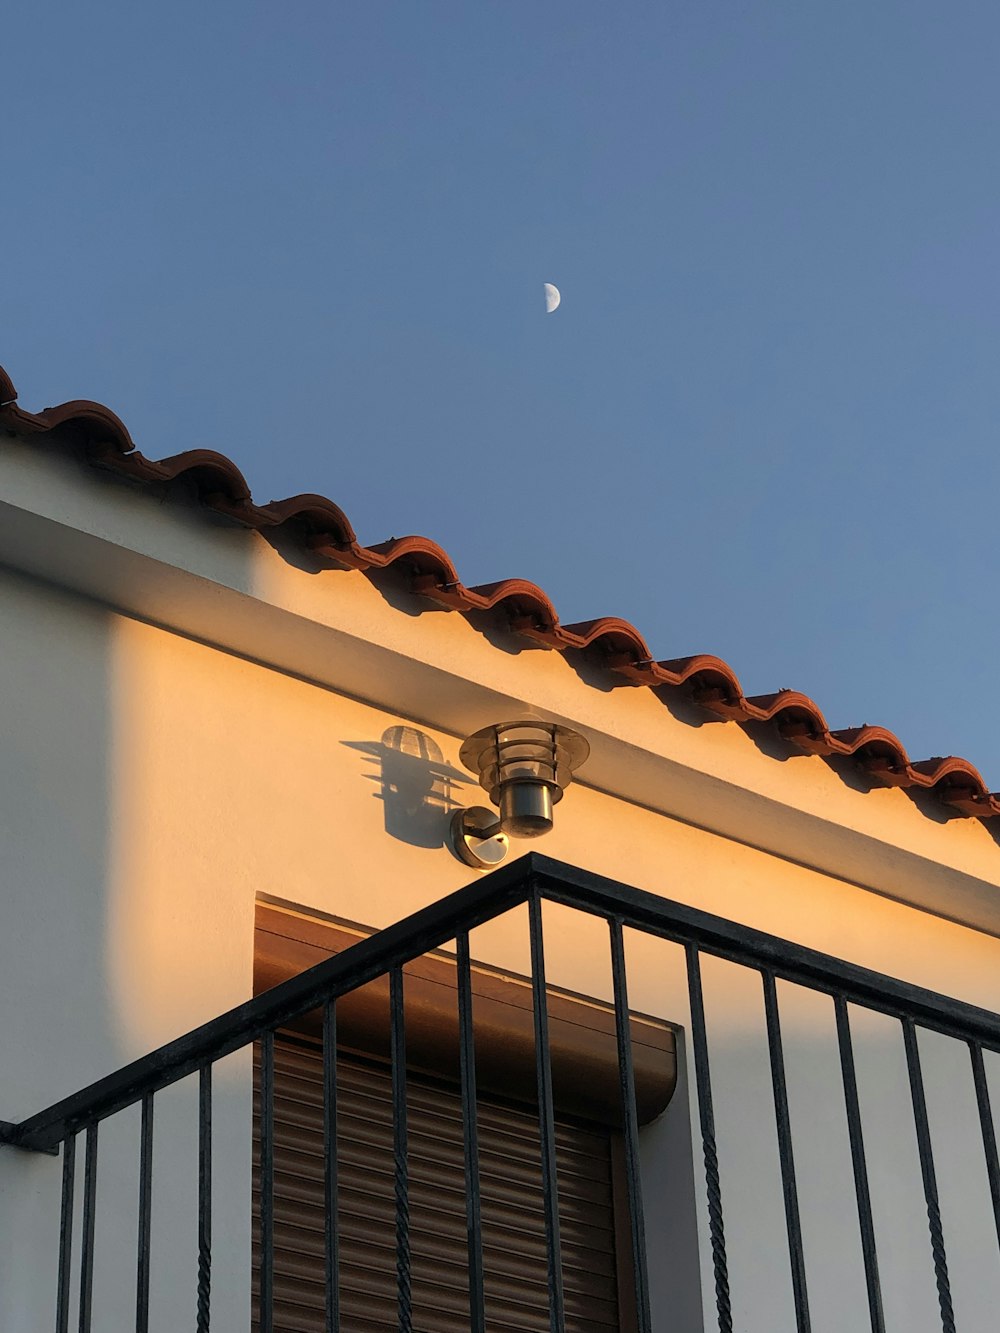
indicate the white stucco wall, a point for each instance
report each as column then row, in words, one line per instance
column 151, row 785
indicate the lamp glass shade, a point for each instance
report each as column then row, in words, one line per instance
column 525, row 767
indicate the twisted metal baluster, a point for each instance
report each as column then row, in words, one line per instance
column 204, row 1198
column 716, row 1229
column 929, row 1177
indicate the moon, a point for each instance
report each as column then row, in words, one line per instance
column 552, row 297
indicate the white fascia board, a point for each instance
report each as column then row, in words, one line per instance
column 181, row 567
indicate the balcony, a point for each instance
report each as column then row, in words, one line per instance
column 389, row 1188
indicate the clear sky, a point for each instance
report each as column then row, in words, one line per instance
column 763, row 422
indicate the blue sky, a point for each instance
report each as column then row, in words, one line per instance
column 763, row 422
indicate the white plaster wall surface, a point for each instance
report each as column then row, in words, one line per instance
column 151, row 786
column 63, row 1023
column 182, row 566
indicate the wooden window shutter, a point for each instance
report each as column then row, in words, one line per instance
column 594, row 1239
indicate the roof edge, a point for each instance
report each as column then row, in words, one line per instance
column 318, row 524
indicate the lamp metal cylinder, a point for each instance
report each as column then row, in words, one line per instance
column 525, row 808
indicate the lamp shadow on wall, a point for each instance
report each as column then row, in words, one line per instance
column 415, row 784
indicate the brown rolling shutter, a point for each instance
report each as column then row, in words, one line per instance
column 513, row 1226
column 582, row 1040
column 584, row 1062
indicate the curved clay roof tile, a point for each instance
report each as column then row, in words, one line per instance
column 322, row 527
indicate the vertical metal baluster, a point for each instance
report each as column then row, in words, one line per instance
column 66, row 1234
column 204, row 1198
column 626, row 1078
column 145, row 1215
column 470, row 1138
column 986, row 1124
column 929, row 1177
column 399, row 1148
column 716, row 1227
column 546, row 1117
column 331, row 1235
column 89, row 1219
column 786, row 1154
column 861, row 1190
column 267, row 1183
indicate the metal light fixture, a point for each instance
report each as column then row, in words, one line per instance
column 525, row 767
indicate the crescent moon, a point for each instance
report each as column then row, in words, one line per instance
column 552, row 297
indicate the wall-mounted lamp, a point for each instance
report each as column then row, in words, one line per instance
column 525, row 767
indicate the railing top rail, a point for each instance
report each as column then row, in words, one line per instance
column 370, row 958
column 756, row 948
column 463, row 910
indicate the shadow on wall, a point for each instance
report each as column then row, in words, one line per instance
column 414, row 782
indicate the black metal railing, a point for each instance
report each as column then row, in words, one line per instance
column 531, row 880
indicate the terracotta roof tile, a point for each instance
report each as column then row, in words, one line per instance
column 322, row 527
